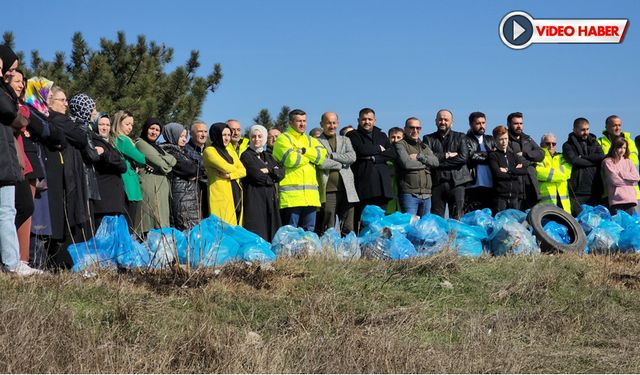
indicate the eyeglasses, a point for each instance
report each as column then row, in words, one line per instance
column 550, row 143
column 64, row 100
column 414, row 127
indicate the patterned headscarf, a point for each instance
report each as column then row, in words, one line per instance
column 80, row 108
column 264, row 132
column 38, row 89
column 172, row 132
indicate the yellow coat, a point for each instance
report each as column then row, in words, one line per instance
column 221, row 202
column 553, row 175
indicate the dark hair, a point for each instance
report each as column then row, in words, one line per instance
column 346, row 129
column 512, row 115
column 499, row 130
column 610, row 119
column 366, row 110
column 475, row 115
column 616, row 143
column 579, row 122
column 395, row 129
column 296, row 112
column 406, row 122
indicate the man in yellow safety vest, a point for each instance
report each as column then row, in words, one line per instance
column 553, row 174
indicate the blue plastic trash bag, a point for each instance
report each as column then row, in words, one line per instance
column 481, row 218
column 514, row 214
column 164, row 245
column 209, row 245
column 630, row 239
column 590, row 217
column 388, row 244
column 604, row 238
column 370, row 214
column 99, row 252
column 557, row 231
column 429, row 235
column 467, row 239
column 291, row 241
column 398, row 221
column 511, row 237
column 257, row 252
column 346, row 248
column 625, row 220
column 133, row 254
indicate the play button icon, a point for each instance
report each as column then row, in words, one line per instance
column 516, row 30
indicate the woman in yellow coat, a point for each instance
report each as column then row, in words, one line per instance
column 224, row 171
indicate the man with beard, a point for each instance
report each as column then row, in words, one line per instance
column 524, row 146
column 372, row 175
column 478, row 193
column 613, row 129
column 585, row 155
column 452, row 174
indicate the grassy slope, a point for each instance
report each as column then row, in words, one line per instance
column 440, row 314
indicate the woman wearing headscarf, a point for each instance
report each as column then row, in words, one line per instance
column 224, row 171
column 122, row 125
column 184, row 203
column 262, row 215
column 109, row 169
column 76, row 211
column 153, row 179
column 43, row 144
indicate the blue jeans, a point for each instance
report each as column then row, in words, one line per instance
column 9, row 247
column 415, row 206
column 302, row 217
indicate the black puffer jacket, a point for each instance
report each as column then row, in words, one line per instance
column 185, row 208
column 453, row 169
column 585, row 172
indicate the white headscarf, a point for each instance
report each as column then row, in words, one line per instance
column 262, row 130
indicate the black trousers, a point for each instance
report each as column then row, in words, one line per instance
column 445, row 193
column 477, row 198
column 501, row 204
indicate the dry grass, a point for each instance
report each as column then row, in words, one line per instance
column 438, row 314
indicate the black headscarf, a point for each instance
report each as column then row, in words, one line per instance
column 145, row 133
column 215, row 134
column 8, row 57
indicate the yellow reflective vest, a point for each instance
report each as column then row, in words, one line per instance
column 553, row 174
column 242, row 147
column 299, row 187
column 605, row 143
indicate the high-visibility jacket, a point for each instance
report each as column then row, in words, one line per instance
column 553, row 174
column 299, row 188
column 242, row 146
column 605, row 143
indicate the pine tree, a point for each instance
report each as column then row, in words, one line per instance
column 264, row 118
column 127, row 76
column 282, row 121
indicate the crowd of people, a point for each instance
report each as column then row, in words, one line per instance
column 66, row 166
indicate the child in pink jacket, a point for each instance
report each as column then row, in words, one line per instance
column 621, row 176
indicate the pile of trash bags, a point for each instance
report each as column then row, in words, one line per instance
column 608, row 234
column 213, row 243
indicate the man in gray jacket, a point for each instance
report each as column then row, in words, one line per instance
column 413, row 170
column 335, row 179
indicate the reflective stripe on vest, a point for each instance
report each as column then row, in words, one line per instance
column 297, row 187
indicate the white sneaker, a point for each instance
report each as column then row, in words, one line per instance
column 24, row 270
